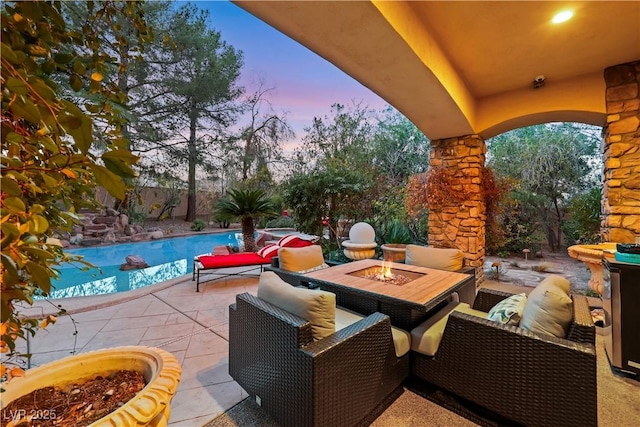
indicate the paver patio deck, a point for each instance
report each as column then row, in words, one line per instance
column 193, row 326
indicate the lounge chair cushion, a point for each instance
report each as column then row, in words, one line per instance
column 232, row 260
column 509, row 310
column 426, row 337
column 401, row 338
column 300, row 259
column 549, row 309
column 316, row 306
column 449, row 259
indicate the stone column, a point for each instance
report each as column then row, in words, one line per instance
column 461, row 224
column 621, row 151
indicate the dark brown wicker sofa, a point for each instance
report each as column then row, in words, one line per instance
column 337, row 380
column 530, row 378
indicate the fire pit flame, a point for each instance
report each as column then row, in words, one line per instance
column 386, row 273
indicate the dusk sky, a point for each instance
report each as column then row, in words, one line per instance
column 305, row 84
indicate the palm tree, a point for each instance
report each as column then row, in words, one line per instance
column 247, row 205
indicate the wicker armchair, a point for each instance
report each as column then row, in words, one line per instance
column 333, row 381
column 529, row 378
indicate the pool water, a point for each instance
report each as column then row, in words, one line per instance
column 167, row 259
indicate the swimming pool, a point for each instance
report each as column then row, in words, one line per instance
column 167, row 259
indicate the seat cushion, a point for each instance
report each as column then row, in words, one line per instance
column 401, row 338
column 232, row 260
column 300, row 259
column 315, row 306
column 426, row 337
column 439, row 258
column 549, row 309
column 509, row 310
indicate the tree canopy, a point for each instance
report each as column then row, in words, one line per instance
column 548, row 165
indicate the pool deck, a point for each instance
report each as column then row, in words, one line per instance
column 172, row 316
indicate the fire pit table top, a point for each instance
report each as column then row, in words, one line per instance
column 425, row 287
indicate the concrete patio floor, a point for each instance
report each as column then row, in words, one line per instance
column 192, row 326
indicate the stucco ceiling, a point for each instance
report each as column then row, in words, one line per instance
column 456, row 68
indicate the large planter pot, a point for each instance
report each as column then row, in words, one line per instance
column 395, row 252
column 150, row 407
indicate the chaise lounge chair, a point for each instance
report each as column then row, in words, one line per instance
column 252, row 260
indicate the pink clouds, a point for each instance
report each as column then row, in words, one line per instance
column 305, row 85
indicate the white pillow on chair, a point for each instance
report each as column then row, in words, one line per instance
column 449, row 259
column 300, row 259
column 316, row 306
column 549, row 309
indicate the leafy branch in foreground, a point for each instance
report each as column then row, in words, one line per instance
column 50, row 166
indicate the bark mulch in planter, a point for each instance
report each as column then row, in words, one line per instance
column 77, row 404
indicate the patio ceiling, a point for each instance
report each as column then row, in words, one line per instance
column 457, row 68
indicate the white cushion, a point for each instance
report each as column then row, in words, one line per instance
column 509, row 310
column 316, row 306
column 401, row 338
column 439, row 258
column 300, row 259
column 549, row 309
column 426, row 337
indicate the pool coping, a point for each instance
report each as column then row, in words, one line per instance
column 80, row 304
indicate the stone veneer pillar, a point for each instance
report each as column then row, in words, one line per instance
column 461, row 225
column 621, row 155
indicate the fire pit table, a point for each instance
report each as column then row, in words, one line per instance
column 406, row 293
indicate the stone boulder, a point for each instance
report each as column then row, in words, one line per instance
column 155, row 235
column 76, row 239
column 134, row 262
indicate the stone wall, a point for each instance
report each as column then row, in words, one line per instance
column 461, row 224
column 621, row 154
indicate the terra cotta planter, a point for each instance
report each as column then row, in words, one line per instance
column 150, row 407
column 395, row 252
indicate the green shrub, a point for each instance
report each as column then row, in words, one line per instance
column 223, row 221
column 583, row 222
column 281, row 222
column 198, row 225
column 395, row 232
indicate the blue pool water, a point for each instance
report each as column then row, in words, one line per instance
column 167, row 259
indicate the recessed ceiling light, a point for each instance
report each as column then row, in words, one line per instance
column 562, row 17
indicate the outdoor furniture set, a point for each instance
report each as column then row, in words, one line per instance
column 335, row 348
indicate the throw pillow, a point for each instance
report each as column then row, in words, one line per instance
column 300, row 259
column 288, row 240
column 269, row 251
column 293, row 241
column 449, row 259
column 316, row 306
column 548, row 309
column 509, row 310
column 560, row 282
